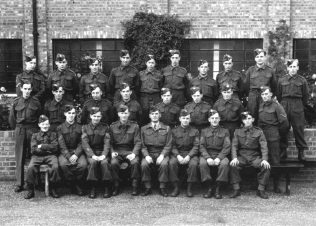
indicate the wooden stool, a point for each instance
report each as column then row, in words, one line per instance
column 44, row 169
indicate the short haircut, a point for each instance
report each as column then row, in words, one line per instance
column 124, row 52
column 258, row 51
column 60, row 57
column 202, row 61
column 69, row 107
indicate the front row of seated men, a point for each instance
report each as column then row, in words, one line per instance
column 96, row 152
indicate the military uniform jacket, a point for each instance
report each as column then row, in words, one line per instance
column 106, row 109
column 272, row 113
column 48, row 142
column 69, row 139
column 169, row 113
column 134, row 108
column 215, row 142
column 95, row 139
column 37, row 80
column 231, row 77
column 198, row 112
column 55, row 110
column 85, row 82
column 249, row 142
column 151, row 82
column 127, row 74
column 156, row 141
column 185, row 141
column 175, row 77
column 229, row 110
column 125, row 138
column 207, row 85
column 25, row 111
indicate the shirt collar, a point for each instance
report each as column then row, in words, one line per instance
column 68, row 124
column 200, row 77
column 259, row 68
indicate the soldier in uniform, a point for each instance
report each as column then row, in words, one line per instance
column 54, row 109
column 273, row 121
column 229, row 109
column 293, row 95
column 29, row 74
column 257, row 76
column 185, row 147
column 96, row 144
column 44, row 148
column 249, row 148
column 66, row 77
column 230, row 76
column 125, row 147
column 176, row 79
column 134, row 107
column 198, row 109
column 23, row 117
column 214, row 148
column 96, row 77
column 124, row 73
column 206, row 83
column 169, row 111
column 96, row 100
column 72, row 160
column 156, row 146
column 150, row 84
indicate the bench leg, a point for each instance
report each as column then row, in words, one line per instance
column 288, row 184
column 46, row 184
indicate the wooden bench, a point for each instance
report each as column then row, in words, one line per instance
column 44, row 169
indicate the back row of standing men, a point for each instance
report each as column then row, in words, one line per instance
column 126, row 85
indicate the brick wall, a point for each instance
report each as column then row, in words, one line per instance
column 7, row 161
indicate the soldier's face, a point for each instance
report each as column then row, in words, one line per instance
column 203, row 69
column 185, row 120
column 197, row 97
column 26, row 90
column 228, row 65
column 166, row 98
column 30, row 66
column 70, row 116
column 126, row 93
column 125, row 60
column 154, row 116
column 248, row 121
column 227, row 94
column 44, row 126
column 94, row 67
column 96, row 118
column 175, row 59
column 58, row 94
column 266, row 95
column 260, row 58
column 293, row 68
column 151, row 64
column 123, row 115
column 214, row 119
column 96, row 93
column 61, row 65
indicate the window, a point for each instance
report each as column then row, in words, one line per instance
column 305, row 52
column 11, row 62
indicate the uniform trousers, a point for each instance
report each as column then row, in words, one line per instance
column 191, row 169
column 99, row 170
column 134, row 164
column 73, row 172
column 220, row 172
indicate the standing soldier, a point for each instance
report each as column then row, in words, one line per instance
column 134, row 107
column 96, row 77
column 156, row 146
column 293, row 95
column 124, row 73
column 272, row 120
column 249, row 148
column 214, row 149
column 72, row 160
column 150, row 85
column 198, row 109
column 230, row 76
column 256, row 77
column 64, row 76
column 23, row 117
column 169, row 111
column 54, row 109
column 29, row 74
column 206, row 83
column 125, row 147
column 104, row 105
column 185, row 147
column 96, row 144
column 229, row 109
column 176, row 79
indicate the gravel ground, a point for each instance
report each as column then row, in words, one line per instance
column 297, row 209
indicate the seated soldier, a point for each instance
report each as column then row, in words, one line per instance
column 249, row 148
column 44, row 148
column 125, row 147
column 156, row 145
column 214, row 148
column 185, row 147
column 72, row 160
column 96, row 144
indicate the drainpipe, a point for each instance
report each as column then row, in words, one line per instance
column 168, row 7
column 35, row 31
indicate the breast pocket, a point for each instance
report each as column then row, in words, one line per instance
column 68, row 83
column 87, row 86
column 53, row 112
column 37, row 82
column 31, row 112
column 130, row 78
column 19, row 110
column 149, row 137
column 162, row 137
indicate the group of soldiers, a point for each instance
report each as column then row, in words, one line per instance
column 158, row 123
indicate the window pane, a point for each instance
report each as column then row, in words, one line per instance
column 301, row 43
column 301, row 55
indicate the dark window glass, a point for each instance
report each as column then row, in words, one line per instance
column 305, row 51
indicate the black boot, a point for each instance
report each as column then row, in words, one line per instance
column 218, row 194
column 235, row 194
column 78, row 189
column 262, row 194
column 18, row 188
column 147, row 191
column 276, row 185
column 116, row 188
column 210, row 192
column 107, row 191
column 135, row 187
column 176, row 190
column 30, row 192
column 93, row 193
column 163, row 192
column 189, row 190
column 301, row 155
column 53, row 191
